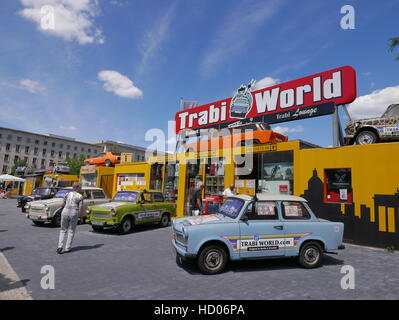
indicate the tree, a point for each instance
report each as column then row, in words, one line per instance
column 75, row 164
column 19, row 163
column 393, row 42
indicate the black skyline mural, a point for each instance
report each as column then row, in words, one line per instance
column 357, row 230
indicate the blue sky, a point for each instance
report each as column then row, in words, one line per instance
column 113, row 69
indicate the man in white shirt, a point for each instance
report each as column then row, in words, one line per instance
column 229, row 192
column 71, row 213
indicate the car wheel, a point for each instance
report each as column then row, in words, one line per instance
column 126, row 225
column 97, row 228
column 108, row 163
column 366, row 137
column 212, row 259
column 310, row 255
column 165, row 219
column 38, row 223
column 56, row 222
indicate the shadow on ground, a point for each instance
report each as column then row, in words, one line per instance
column 7, row 284
column 82, row 248
column 190, row 265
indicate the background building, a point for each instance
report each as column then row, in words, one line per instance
column 42, row 151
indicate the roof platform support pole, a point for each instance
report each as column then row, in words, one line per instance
column 338, row 137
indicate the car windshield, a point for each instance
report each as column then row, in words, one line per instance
column 130, row 196
column 231, row 207
column 392, row 112
column 62, row 193
column 41, row 191
column 100, row 155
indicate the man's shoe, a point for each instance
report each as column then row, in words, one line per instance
column 66, row 251
column 60, row 250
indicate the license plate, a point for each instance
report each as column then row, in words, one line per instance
column 97, row 223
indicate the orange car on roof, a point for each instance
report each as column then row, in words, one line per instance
column 252, row 133
column 105, row 158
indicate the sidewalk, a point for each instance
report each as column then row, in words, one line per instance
column 11, row 287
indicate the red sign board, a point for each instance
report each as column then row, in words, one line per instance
column 297, row 99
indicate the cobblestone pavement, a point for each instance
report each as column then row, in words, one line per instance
column 142, row 265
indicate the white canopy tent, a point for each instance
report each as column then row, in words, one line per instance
column 8, row 177
column 13, row 179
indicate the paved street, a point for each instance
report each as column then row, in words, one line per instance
column 142, row 265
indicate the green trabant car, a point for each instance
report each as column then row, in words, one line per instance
column 130, row 208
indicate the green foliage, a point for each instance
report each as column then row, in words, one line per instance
column 393, row 42
column 19, row 163
column 75, row 164
column 390, row 249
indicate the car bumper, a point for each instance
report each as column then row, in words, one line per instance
column 103, row 223
column 38, row 217
column 341, row 247
column 181, row 251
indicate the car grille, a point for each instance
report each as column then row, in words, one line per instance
column 36, row 210
column 101, row 215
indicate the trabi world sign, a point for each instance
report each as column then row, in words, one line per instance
column 307, row 97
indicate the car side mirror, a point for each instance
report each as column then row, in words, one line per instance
column 245, row 218
column 142, row 201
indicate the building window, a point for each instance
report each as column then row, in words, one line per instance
column 67, row 154
column 36, row 141
column 68, row 147
column 27, row 140
column 17, row 147
column 8, row 147
column 0, row 135
column 61, row 145
column 5, row 168
column 53, row 144
column 26, row 160
column 88, row 150
column 26, row 149
column 43, row 164
column 6, row 158
column 338, row 186
column 16, row 158
column 19, row 139
column 36, row 151
column 59, row 154
column 45, row 143
column 75, row 148
column 9, row 137
column 82, row 149
column 52, row 153
column 74, row 155
column 44, row 152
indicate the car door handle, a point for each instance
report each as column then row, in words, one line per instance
column 278, row 227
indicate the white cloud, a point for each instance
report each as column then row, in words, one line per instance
column 238, row 29
column 373, row 104
column 73, row 19
column 31, row 86
column 285, row 130
column 72, row 128
column 119, row 84
column 154, row 38
column 265, row 82
column 25, row 84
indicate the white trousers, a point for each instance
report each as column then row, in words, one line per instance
column 68, row 225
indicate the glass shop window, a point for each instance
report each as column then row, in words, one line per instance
column 156, row 176
column 214, row 177
column 193, row 176
column 338, row 186
column 171, row 186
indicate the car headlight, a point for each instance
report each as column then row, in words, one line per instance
column 88, row 210
column 27, row 206
column 46, row 207
column 113, row 212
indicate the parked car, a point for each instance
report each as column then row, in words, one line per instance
column 61, row 168
column 37, row 194
column 367, row 131
column 266, row 226
column 237, row 136
column 105, row 158
column 130, row 208
column 43, row 211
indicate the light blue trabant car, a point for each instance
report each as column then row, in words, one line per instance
column 265, row 226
